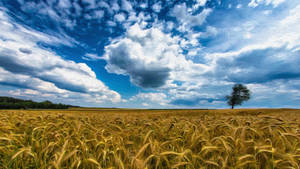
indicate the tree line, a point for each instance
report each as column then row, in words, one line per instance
column 239, row 94
column 13, row 103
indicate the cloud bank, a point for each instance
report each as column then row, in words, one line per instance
column 24, row 63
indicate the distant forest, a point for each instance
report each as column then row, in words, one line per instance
column 13, row 103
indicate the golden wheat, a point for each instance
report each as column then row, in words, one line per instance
column 158, row 139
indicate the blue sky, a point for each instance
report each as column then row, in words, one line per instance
column 150, row 54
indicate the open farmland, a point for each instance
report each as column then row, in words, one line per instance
column 127, row 138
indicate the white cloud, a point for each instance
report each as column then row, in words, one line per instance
column 126, row 6
column 111, row 23
column 58, row 13
column 98, row 14
column 64, row 4
column 72, row 98
column 169, row 25
column 143, row 17
column 274, row 3
column 26, row 81
column 91, row 57
column 120, row 17
column 150, row 57
column 32, row 92
column 210, row 32
column 142, row 54
column 192, row 38
column 33, row 36
column 77, row 8
column 199, row 3
column 270, row 92
column 187, row 19
column 115, row 6
column 275, row 34
column 26, row 64
column 144, row 5
column 288, row 29
column 150, row 98
column 103, row 4
column 157, row 7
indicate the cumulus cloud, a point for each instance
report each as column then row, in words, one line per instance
column 23, row 61
column 140, row 55
column 150, row 57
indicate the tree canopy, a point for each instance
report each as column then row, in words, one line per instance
column 240, row 93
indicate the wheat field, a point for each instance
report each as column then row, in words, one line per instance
column 158, row 139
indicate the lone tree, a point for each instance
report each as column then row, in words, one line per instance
column 239, row 94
